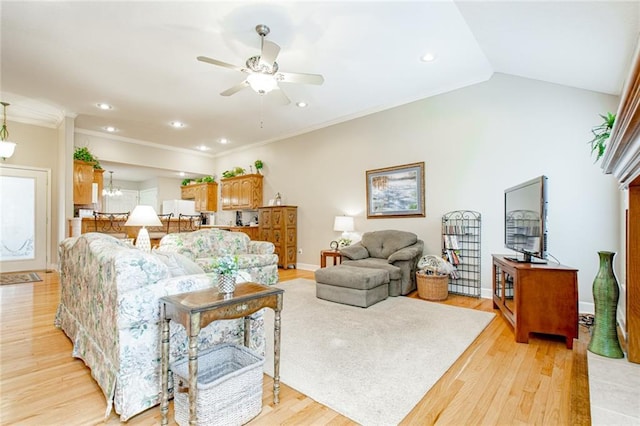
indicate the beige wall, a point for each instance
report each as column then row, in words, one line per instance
column 475, row 143
column 38, row 147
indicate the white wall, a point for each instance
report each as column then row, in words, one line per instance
column 475, row 142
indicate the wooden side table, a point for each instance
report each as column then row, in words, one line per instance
column 195, row 310
column 335, row 254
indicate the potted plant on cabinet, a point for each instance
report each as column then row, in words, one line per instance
column 83, row 154
column 259, row 165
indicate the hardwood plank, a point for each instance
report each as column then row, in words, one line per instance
column 495, row 381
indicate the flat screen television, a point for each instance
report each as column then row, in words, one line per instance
column 525, row 220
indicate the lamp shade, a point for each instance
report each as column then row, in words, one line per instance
column 143, row 216
column 343, row 224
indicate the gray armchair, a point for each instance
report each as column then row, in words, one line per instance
column 395, row 251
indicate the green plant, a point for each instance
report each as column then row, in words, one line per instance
column 83, row 154
column 209, row 179
column 600, row 135
column 236, row 171
column 225, row 265
column 259, row 164
column 186, row 181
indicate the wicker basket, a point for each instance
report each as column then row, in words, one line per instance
column 229, row 386
column 432, row 287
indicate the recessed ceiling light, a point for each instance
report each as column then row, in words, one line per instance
column 104, row 106
column 177, row 124
column 428, row 57
column 203, row 148
column 302, row 104
column 181, row 174
column 110, row 129
column 224, row 141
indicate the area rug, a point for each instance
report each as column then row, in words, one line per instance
column 372, row 365
column 19, row 277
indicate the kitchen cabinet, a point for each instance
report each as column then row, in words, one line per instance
column 98, row 181
column 82, row 182
column 252, row 231
column 279, row 225
column 241, row 192
column 204, row 194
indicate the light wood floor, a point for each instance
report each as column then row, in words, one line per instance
column 495, row 382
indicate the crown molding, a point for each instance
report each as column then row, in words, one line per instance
column 110, row 136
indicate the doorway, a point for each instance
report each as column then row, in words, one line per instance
column 24, row 210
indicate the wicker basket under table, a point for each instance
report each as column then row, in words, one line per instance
column 229, row 386
column 432, row 287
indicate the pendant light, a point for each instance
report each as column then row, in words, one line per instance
column 6, row 147
column 110, row 191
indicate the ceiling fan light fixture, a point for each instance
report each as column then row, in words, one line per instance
column 262, row 83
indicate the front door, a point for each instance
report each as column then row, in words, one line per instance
column 24, row 201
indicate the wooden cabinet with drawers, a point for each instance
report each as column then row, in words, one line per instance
column 204, row 194
column 279, row 225
column 241, row 192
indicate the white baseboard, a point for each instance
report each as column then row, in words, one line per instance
column 307, row 266
column 586, row 307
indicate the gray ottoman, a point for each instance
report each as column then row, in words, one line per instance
column 351, row 285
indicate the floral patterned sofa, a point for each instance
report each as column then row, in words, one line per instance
column 256, row 258
column 109, row 308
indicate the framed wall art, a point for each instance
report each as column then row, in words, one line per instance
column 396, row 191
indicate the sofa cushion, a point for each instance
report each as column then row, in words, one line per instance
column 382, row 244
column 178, row 264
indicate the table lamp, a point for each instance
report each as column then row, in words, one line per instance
column 143, row 216
column 344, row 224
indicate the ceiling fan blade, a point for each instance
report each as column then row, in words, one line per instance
column 269, row 53
column 295, row 77
column 220, row 63
column 281, row 97
column 235, row 89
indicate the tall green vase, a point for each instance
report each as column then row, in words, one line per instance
column 604, row 340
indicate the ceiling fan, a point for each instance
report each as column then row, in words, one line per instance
column 264, row 74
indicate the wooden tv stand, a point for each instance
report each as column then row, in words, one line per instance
column 536, row 298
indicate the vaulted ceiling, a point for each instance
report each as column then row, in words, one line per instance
column 140, row 57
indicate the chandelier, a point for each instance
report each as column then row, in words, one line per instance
column 6, row 147
column 110, row 191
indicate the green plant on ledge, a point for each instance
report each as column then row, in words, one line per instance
column 236, row 171
column 600, row 135
column 186, row 181
column 83, row 154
